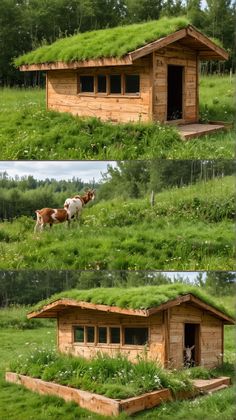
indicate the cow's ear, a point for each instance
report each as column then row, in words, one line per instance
column 191, row 348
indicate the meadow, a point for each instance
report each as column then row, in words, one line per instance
column 188, row 228
column 17, row 403
column 29, row 131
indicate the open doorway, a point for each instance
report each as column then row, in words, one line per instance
column 191, row 345
column 175, row 93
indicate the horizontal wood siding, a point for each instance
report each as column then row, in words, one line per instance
column 210, row 335
column 154, row 350
column 180, row 56
column 63, row 96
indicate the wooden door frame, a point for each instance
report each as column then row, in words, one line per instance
column 170, row 62
column 197, row 340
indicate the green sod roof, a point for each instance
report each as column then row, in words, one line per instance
column 144, row 297
column 115, row 42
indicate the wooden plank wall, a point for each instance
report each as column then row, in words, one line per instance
column 62, row 94
column 210, row 335
column 180, row 56
column 154, row 350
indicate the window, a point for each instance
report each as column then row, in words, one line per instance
column 136, row 336
column 115, row 335
column 102, row 335
column 101, row 83
column 86, row 84
column 79, row 334
column 132, row 83
column 90, row 334
column 125, row 84
column 115, row 83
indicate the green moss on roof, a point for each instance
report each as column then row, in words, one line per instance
column 114, row 42
column 135, row 297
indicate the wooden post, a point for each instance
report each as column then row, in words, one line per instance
column 166, row 323
column 197, row 86
column 222, row 343
column 46, row 90
column 152, row 199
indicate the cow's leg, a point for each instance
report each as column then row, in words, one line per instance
column 42, row 227
column 36, row 228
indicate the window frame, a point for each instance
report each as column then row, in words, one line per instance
column 108, row 342
column 85, row 342
column 108, row 93
column 141, row 346
column 79, row 85
column 137, row 94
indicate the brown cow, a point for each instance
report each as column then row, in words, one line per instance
column 50, row 216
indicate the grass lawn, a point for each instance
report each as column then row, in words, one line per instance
column 17, row 403
column 189, row 228
column 28, row 131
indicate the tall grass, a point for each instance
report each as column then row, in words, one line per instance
column 114, row 377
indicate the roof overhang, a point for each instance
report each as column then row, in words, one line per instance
column 189, row 37
column 73, row 65
column 52, row 309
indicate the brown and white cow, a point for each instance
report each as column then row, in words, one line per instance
column 75, row 204
column 50, row 216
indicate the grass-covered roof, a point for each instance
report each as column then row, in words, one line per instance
column 105, row 43
column 144, row 297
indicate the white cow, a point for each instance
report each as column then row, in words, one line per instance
column 75, row 204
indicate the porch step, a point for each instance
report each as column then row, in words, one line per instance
column 218, row 388
column 189, row 131
column 211, row 385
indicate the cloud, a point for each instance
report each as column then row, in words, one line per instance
column 84, row 170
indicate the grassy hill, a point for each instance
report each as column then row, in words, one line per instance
column 17, row 403
column 28, row 131
column 189, row 228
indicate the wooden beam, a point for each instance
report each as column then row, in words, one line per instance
column 212, row 310
column 169, row 304
column 166, row 323
column 220, row 52
column 60, row 65
column 160, row 43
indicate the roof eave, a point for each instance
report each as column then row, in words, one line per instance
column 212, row 52
column 51, row 310
column 193, row 299
column 216, row 51
column 73, row 65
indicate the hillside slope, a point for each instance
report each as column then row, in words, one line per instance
column 188, row 228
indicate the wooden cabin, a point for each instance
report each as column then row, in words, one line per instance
column 158, row 81
column 161, row 333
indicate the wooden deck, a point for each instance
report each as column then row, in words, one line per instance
column 207, row 386
column 189, row 131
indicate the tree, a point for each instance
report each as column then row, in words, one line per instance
column 195, row 13
column 220, row 282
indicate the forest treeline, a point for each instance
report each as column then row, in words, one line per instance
column 28, row 24
column 29, row 287
column 21, row 196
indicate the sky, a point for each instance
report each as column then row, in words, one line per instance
column 191, row 275
column 84, row 170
